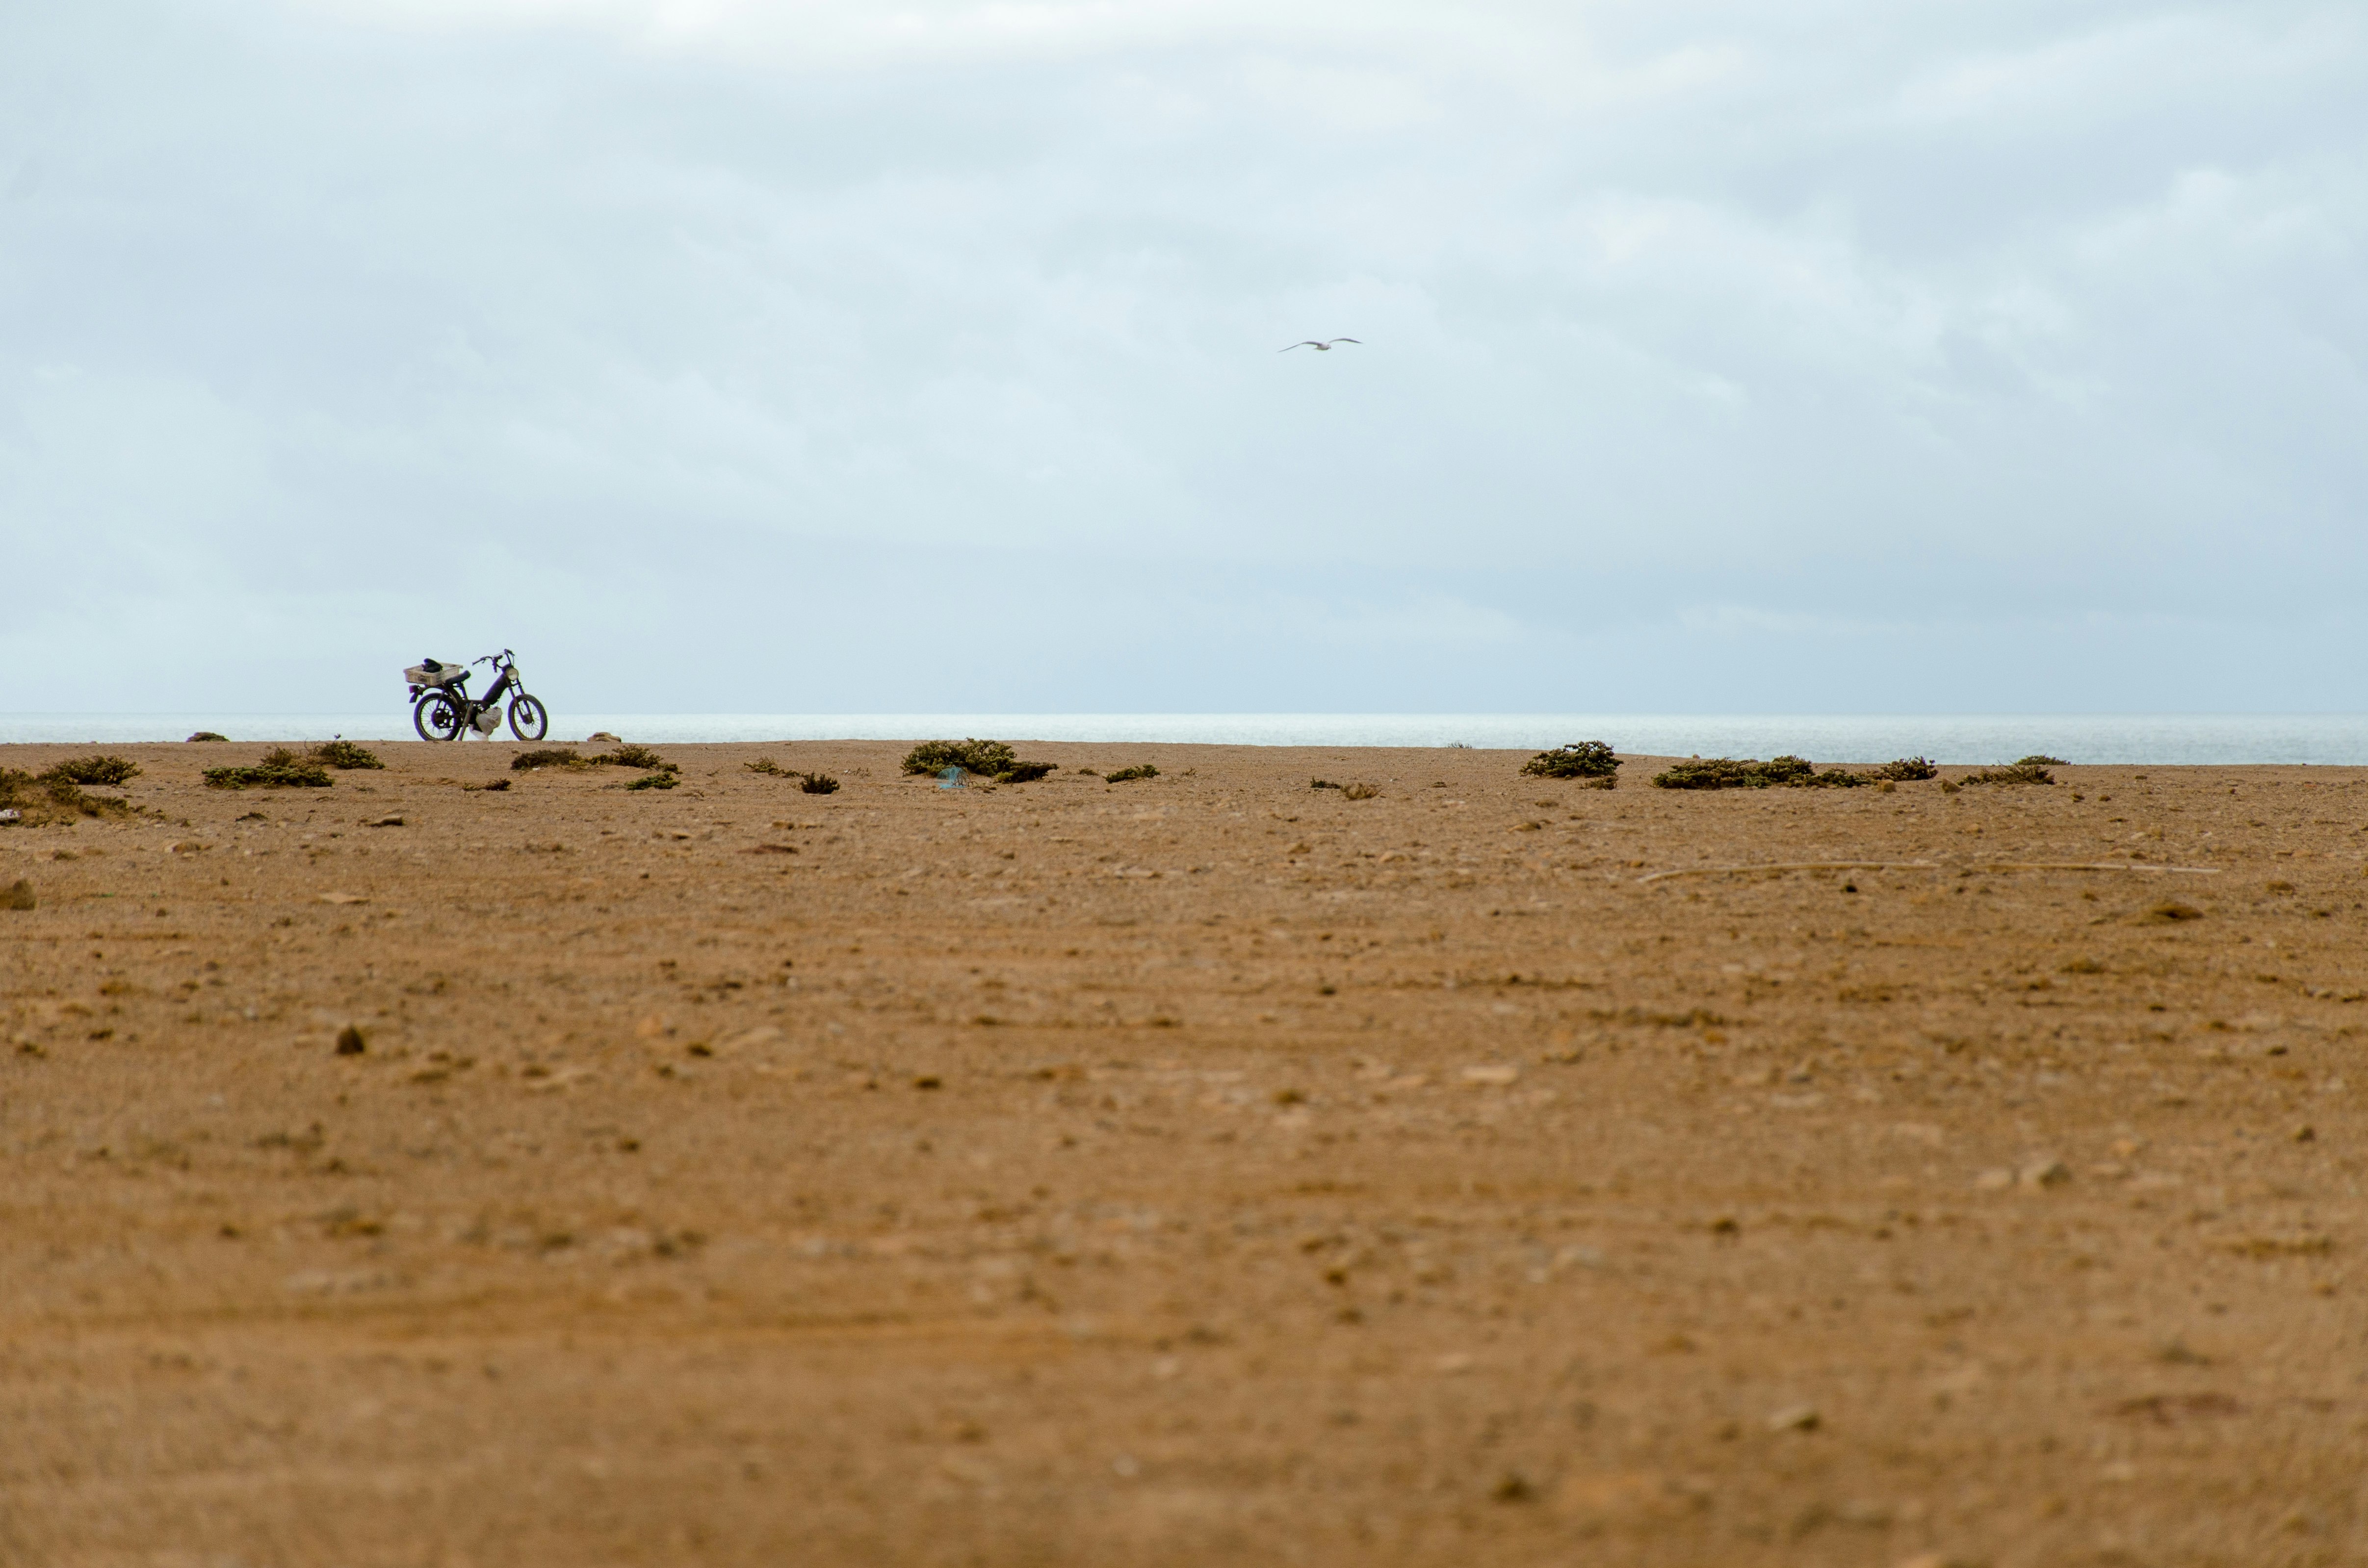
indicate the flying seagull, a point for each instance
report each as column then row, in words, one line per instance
column 1312, row 343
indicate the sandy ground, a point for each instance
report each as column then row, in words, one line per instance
column 1208, row 1169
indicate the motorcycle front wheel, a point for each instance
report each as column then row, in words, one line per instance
column 438, row 715
column 528, row 719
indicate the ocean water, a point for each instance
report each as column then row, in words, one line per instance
column 1970, row 738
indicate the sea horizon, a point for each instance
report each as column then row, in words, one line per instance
column 2166, row 739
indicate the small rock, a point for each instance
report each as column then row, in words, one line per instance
column 2306, row 1134
column 1514, row 1487
column 343, row 898
column 385, row 821
column 1498, row 1074
column 1796, row 1418
column 351, row 1042
column 19, row 896
column 2040, row 1175
column 1993, row 1181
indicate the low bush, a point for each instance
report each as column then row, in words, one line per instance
column 1581, row 759
column 633, row 756
column 551, row 756
column 108, row 770
column 207, row 735
column 768, row 768
column 344, row 755
column 1024, row 772
column 1358, row 792
column 817, row 783
column 2020, row 773
column 48, row 799
column 1788, row 773
column 1322, row 784
column 280, row 770
column 1725, row 773
column 1128, row 775
column 2041, row 759
column 986, row 759
column 654, row 781
column 1777, row 772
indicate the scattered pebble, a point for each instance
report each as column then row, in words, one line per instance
column 2039, row 1175
column 351, row 1042
column 19, row 896
column 1796, row 1418
column 1498, row 1074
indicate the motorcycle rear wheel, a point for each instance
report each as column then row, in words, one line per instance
column 438, row 715
column 529, row 721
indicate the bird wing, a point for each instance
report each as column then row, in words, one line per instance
column 1358, row 343
column 1303, row 343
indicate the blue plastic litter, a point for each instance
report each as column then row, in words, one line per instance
column 953, row 779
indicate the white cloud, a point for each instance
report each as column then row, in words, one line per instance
column 2007, row 315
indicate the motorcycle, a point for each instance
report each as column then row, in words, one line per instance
column 442, row 709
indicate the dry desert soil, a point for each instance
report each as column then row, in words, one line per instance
column 1205, row 1169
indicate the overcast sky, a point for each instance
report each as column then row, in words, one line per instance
column 851, row 354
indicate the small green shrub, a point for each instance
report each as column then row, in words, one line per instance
column 1719, row 773
column 2041, row 759
column 1024, row 772
column 1908, row 771
column 1581, row 759
column 1322, row 784
column 108, row 770
column 549, row 756
column 48, row 799
column 632, row 756
column 1777, row 772
column 280, row 770
column 1128, row 775
column 206, row 735
column 767, row 767
column 986, row 759
column 1087, row 773
column 817, row 783
column 654, row 781
column 345, row 757
column 2020, row 773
